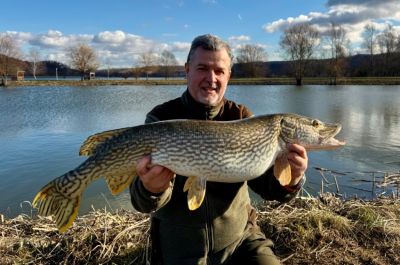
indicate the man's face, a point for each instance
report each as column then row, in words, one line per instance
column 207, row 74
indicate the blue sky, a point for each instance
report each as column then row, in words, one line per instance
column 121, row 29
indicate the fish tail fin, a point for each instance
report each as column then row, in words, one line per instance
column 51, row 202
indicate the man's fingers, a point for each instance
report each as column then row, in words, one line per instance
column 298, row 149
column 142, row 165
column 296, row 160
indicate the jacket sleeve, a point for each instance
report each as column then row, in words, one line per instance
column 143, row 200
column 269, row 188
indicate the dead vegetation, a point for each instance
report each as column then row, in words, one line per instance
column 323, row 230
column 328, row 230
column 96, row 238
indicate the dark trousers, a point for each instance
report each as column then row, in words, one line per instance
column 254, row 248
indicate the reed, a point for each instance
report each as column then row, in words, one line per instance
column 321, row 230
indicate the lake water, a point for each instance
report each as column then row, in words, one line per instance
column 42, row 128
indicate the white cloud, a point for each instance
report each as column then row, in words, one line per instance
column 343, row 12
column 56, row 39
column 351, row 15
column 181, row 46
column 21, row 38
column 281, row 24
column 110, row 37
column 117, row 48
column 239, row 38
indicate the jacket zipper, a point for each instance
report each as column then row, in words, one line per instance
column 209, row 231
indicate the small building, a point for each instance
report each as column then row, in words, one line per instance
column 89, row 76
column 92, row 75
column 20, row 76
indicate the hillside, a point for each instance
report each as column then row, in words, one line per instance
column 355, row 66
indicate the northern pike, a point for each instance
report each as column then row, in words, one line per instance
column 223, row 151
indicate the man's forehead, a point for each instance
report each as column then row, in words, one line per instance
column 202, row 56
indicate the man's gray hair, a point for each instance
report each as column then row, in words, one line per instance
column 210, row 43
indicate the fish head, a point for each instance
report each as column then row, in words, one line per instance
column 311, row 133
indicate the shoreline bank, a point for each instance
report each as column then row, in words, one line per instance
column 324, row 230
column 233, row 81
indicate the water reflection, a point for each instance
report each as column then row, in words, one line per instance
column 41, row 129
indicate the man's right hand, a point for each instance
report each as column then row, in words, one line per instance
column 155, row 179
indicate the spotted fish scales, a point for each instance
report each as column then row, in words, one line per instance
column 230, row 151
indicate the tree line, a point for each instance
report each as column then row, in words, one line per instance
column 307, row 51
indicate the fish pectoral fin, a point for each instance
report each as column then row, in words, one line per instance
column 50, row 202
column 117, row 183
column 89, row 146
column 282, row 170
column 196, row 188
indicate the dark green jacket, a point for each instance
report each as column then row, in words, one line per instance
column 215, row 229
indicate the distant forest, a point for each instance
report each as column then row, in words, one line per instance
column 355, row 66
column 308, row 52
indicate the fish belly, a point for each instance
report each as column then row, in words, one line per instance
column 217, row 163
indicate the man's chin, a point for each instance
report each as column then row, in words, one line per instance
column 209, row 101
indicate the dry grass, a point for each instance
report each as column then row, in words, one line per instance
column 328, row 230
column 324, row 230
column 97, row 238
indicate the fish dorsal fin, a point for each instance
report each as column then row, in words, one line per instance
column 117, row 184
column 89, row 147
column 282, row 170
column 196, row 188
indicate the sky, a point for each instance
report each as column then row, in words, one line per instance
column 120, row 30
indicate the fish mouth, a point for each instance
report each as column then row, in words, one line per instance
column 329, row 144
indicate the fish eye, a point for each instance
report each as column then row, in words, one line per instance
column 316, row 123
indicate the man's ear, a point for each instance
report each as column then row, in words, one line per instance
column 186, row 68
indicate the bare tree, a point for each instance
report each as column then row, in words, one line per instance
column 387, row 45
column 299, row 43
column 337, row 41
column 83, row 58
column 251, row 58
column 147, row 60
column 9, row 52
column 387, row 40
column 168, row 62
column 35, row 58
column 369, row 35
column 369, row 43
column 136, row 69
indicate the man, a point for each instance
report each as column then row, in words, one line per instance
column 223, row 229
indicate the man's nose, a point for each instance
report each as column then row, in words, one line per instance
column 211, row 76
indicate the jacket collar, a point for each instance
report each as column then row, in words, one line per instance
column 198, row 110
